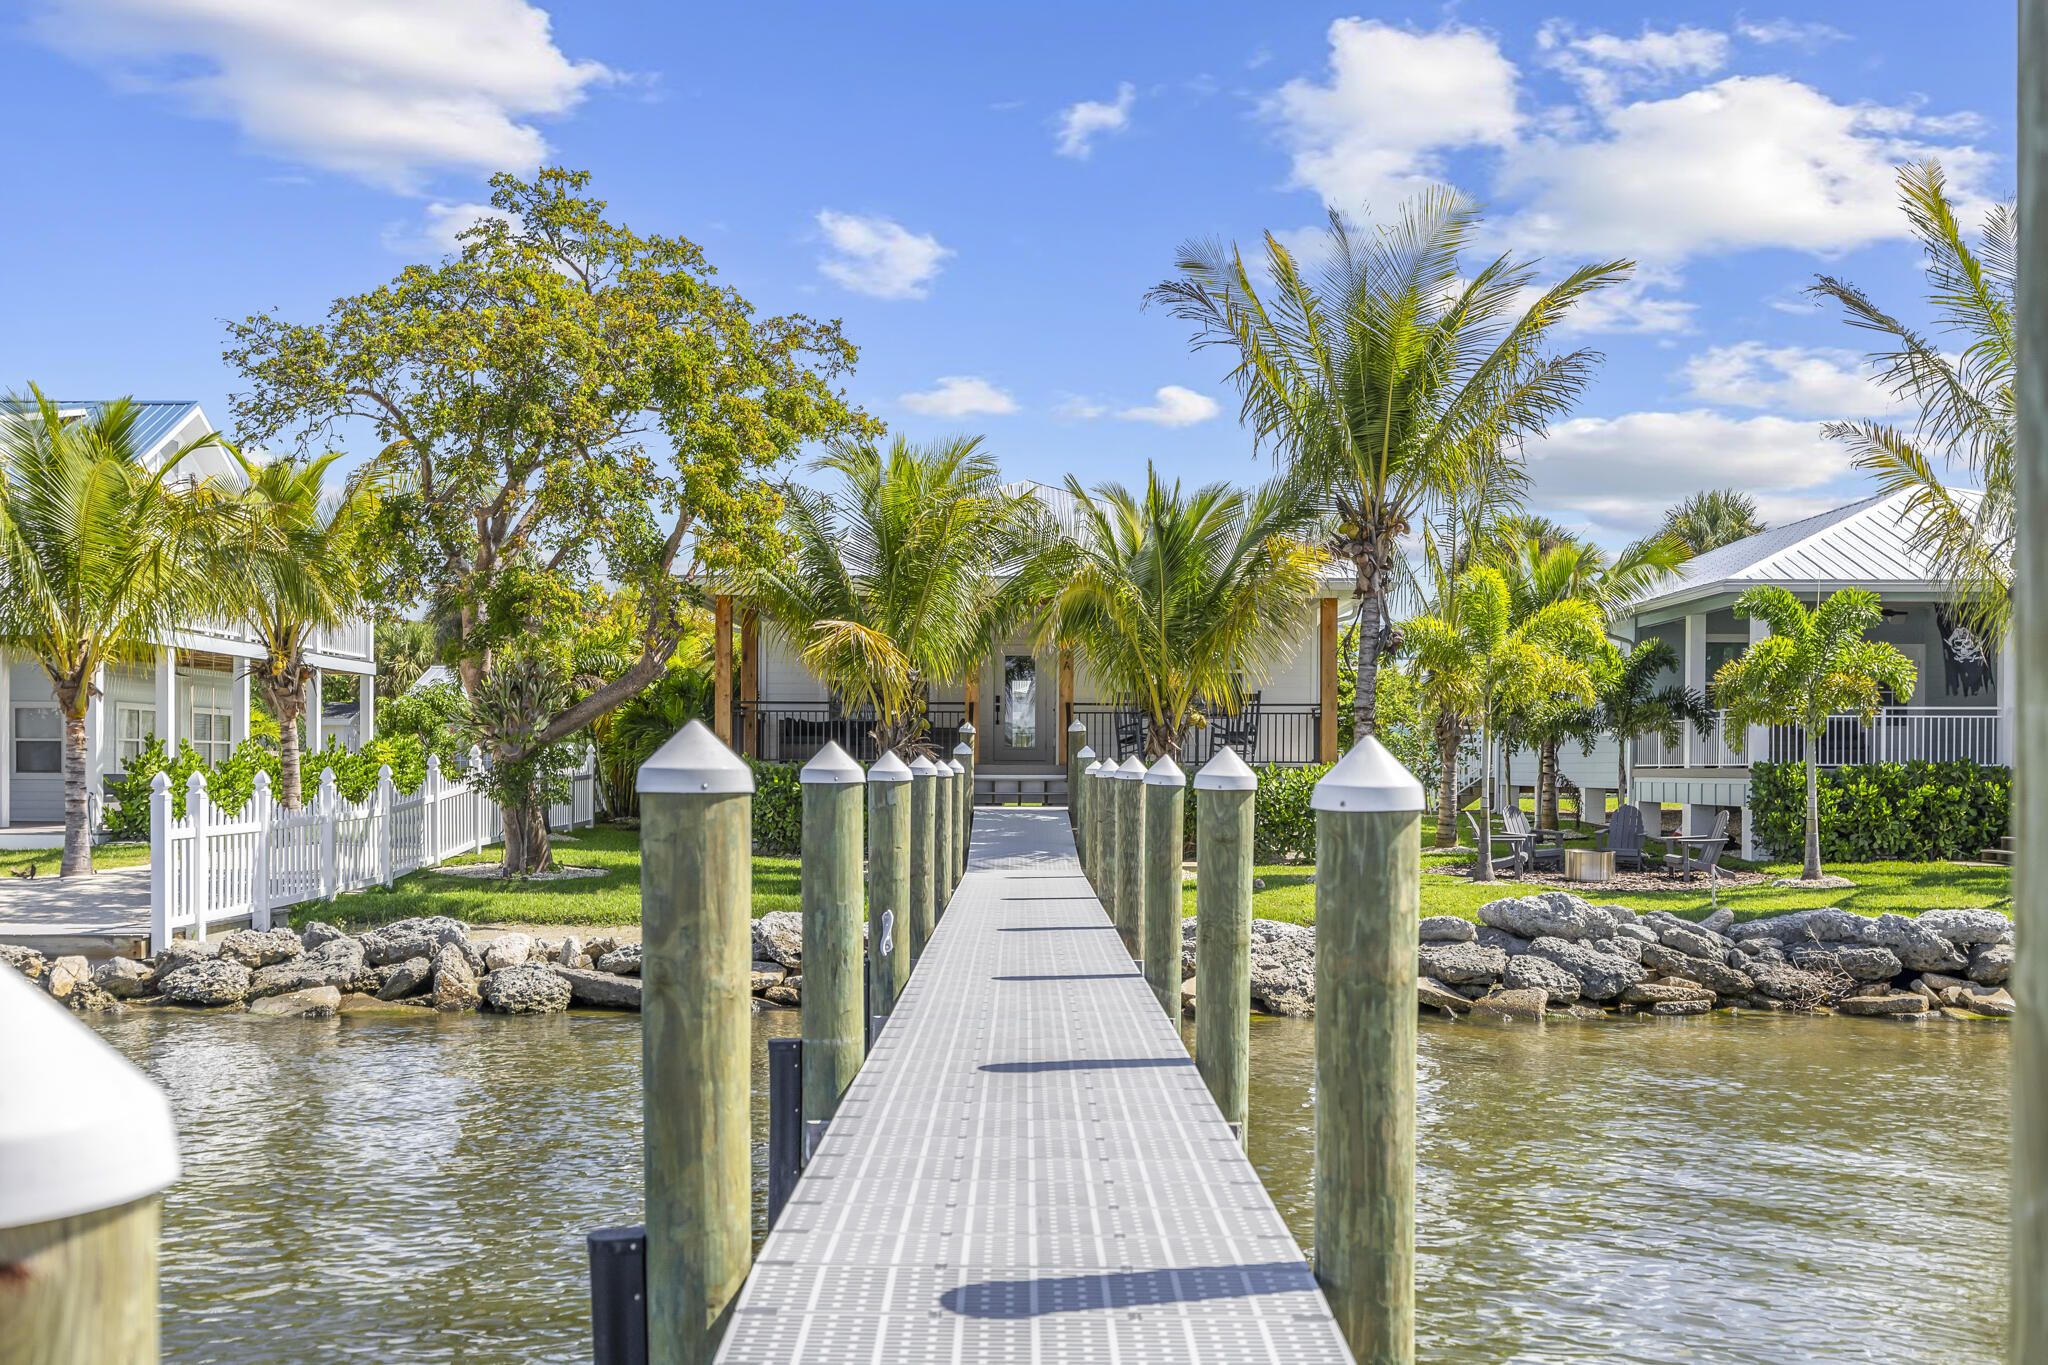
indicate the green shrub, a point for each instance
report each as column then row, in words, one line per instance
column 778, row 808
column 1283, row 826
column 231, row 782
column 1915, row 812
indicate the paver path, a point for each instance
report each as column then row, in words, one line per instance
column 114, row 901
column 1029, row 1167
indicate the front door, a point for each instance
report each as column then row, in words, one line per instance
column 1022, row 706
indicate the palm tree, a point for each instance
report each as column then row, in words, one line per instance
column 406, row 649
column 1631, row 705
column 100, row 557
column 898, row 583
column 1175, row 599
column 1503, row 667
column 1710, row 519
column 1966, row 404
column 1394, row 381
column 1815, row 664
column 308, row 577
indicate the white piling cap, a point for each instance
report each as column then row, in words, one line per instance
column 959, row 768
column 695, row 763
column 1165, row 773
column 963, row 747
column 1087, row 751
column 1367, row 778
column 1226, row 772
column 923, row 767
column 1092, row 769
column 832, row 767
column 81, row 1129
column 967, row 728
column 889, row 768
column 1077, row 725
column 1133, row 769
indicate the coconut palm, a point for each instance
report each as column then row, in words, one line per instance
column 1394, row 380
column 307, row 576
column 1502, row 667
column 898, row 582
column 1631, row 705
column 1966, row 411
column 1175, row 599
column 1710, row 519
column 100, row 557
column 406, row 649
column 1815, row 664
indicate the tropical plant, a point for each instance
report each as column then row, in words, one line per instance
column 306, row 575
column 898, row 582
column 1631, row 705
column 100, row 557
column 1967, row 412
column 1395, row 380
column 1483, row 662
column 1177, row 599
column 406, row 649
column 1709, row 519
column 435, row 714
column 510, row 706
column 1814, row 665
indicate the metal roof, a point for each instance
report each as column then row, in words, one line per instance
column 157, row 420
column 1864, row 544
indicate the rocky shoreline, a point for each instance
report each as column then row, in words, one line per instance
column 1530, row 957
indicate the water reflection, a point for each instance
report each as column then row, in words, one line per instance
column 1744, row 1191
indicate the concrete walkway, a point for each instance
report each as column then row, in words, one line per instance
column 1029, row 1168
column 74, row 914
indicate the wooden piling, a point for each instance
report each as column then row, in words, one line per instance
column 696, row 1038
column 1102, row 839
column 1368, row 899
column 834, row 1010
column 1130, row 854
column 1076, row 746
column 963, row 755
column 963, row 796
column 967, row 740
column 86, row 1147
column 923, row 844
column 1084, row 814
column 1164, row 793
column 945, row 822
column 888, row 882
column 1226, row 793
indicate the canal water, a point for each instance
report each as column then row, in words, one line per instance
column 1743, row 1191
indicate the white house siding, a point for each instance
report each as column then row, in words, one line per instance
column 783, row 678
column 35, row 798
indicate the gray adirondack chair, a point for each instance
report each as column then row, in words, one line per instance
column 1702, row 857
column 1624, row 836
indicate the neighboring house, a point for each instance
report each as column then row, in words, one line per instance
column 1960, row 709
column 196, row 687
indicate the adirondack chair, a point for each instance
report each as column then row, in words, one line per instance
column 1701, row 853
column 1130, row 732
column 1241, row 731
column 1515, row 831
column 1623, row 836
column 1517, row 826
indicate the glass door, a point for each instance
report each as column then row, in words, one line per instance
column 1022, row 734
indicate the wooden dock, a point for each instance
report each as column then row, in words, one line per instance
column 1028, row 1168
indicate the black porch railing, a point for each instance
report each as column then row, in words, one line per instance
column 793, row 732
column 1284, row 733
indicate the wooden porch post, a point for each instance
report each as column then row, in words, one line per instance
column 721, row 667
column 1066, row 701
column 750, row 676
column 1326, row 675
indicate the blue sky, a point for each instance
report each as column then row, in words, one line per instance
column 983, row 195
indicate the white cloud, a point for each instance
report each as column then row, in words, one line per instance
column 1395, row 100
column 438, row 229
column 1173, row 406
column 387, row 91
column 879, row 257
column 1075, row 408
column 1082, row 122
column 1622, row 472
column 1793, row 31
column 1603, row 65
column 961, row 395
column 1644, row 304
column 1810, row 381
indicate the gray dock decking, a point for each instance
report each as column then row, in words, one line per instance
column 1029, row 1167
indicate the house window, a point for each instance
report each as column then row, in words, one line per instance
column 213, row 735
column 134, row 726
column 38, row 740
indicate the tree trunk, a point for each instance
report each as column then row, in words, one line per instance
column 526, row 839
column 77, row 829
column 1546, row 784
column 1447, row 786
column 1160, row 740
column 287, row 702
column 1482, row 870
column 1620, row 771
column 1812, row 869
column 1365, row 695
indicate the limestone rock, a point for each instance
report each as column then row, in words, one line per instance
column 1460, row 963
column 599, row 946
column 1826, row 925
column 1638, row 933
column 1978, row 1000
column 1712, row 973
column 1659, row 992
column 337, row 962
column 1187, row 996
column 1670, row 1007
column 779, row 937
column 571, row 951
column 317, row 933
column 1620, row 914
column 27, row 961
column 124, row 978
column 525, row 988
column 454, row 982
column 1514, row 945
column 1862, row 962
column 601, row 989
column 1433, row 994
column 1685, row 939
column 209, row 981
column 414, row 976
column 1991, row 963
column 253, row 949
column 1583, row 1011
column 767, row 974
column 1187, row 945
column 1719, row 922
column 405, row 939
column 1918, row 946
column 1601, row 975
column 1626, row 945
column 67, row 976
column 782, row 995
column 1968, row 928
column 315, row 1002
column 1283, row 968
column 507, row 950
column 1553, row 914
column 623, row 960
column 1530, row 971
column 1517, row 1004
column 1447, row 929
column 180, row 951
column 1894, row 1002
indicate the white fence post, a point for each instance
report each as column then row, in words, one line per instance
column 476, row 798
column 384, row 817
column 259, row 853
column 161, row 888
column 198, row 812
column 330, row 868
column 430, row 814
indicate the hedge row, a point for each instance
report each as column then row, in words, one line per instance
column 1916, row 812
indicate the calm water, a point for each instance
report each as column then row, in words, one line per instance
column 1753, row 1190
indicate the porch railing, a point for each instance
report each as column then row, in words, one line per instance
column 793, row 732
column 1901, row 734
column 1285, row 733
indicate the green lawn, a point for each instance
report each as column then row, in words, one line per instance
column 46, row 861
column 613, row 898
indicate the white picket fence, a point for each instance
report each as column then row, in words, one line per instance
column 211, row 867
